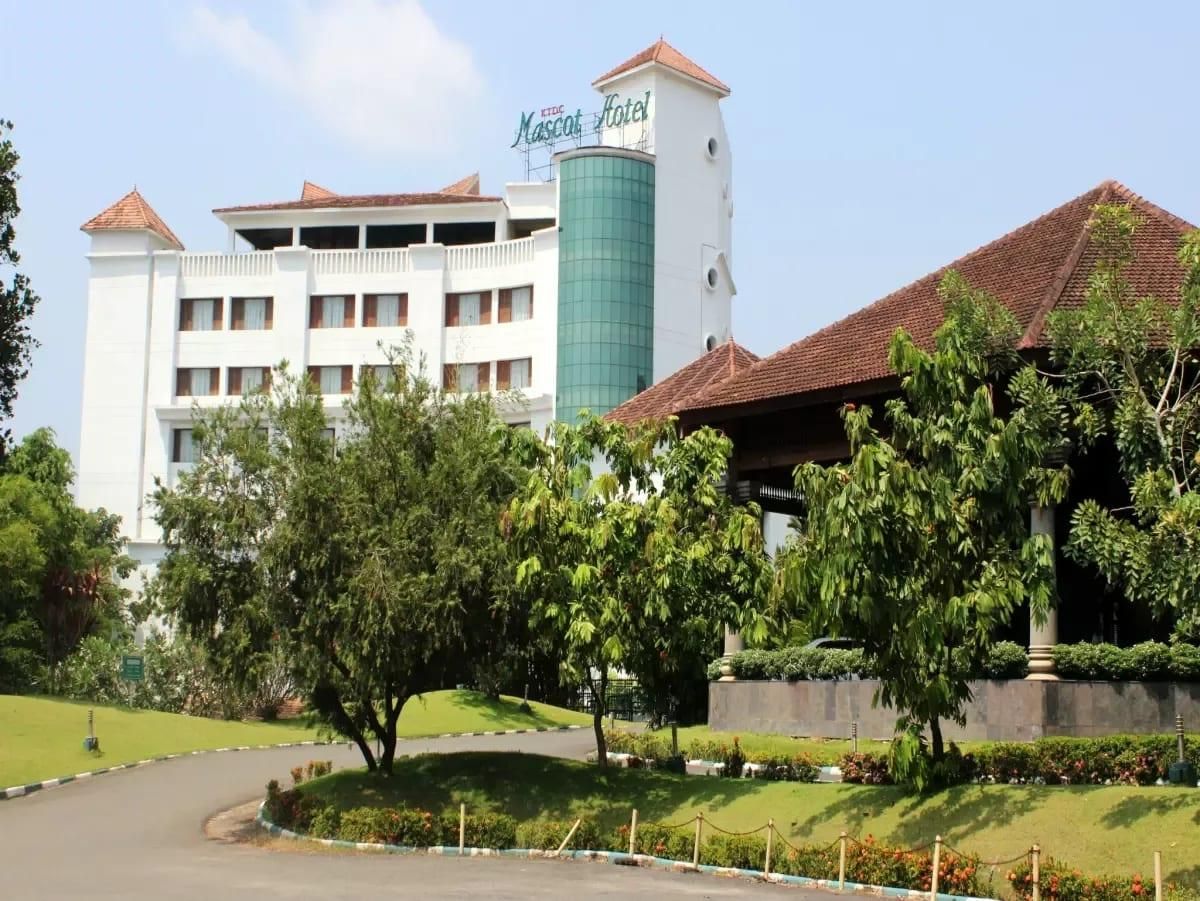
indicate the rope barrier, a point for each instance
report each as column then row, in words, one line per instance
column 915, row 850
column 670, row 826
column 714, row 826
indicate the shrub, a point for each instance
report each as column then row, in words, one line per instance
column 800, row 768
column 1005, row 660
column 705, row 749
column 290, row 809
column 734, row 760
column 746, row 852
column 318, row 768
column 1185, row 662
column 714, row 670
column 655, row 840
column 326, row 822
column 547, row 835
column 392, row 826
column 865, row 769
column 674, row 764
column 1150, row 661
column 484, row 830
column 1058, row 882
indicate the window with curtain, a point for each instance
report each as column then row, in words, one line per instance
column 331, row 379
column 254, row 313
column 387, row 310
column 468, row 376
column 333, row 312
column 383, row 374
column 252, row 379
column 468, row 310
column 200, row 382
column 522, row 303
column 519, row 371
column 202, row 315
column 185, row 449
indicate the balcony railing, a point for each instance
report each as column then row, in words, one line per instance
column 225, row 265
column 383, row 261
column 489, row 256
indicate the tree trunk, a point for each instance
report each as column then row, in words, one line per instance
column 600, row 701
column 388, row 738
column 935, row 736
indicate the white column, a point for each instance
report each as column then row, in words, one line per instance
column 362, row 237
column 1043, row 638
column 733, row 644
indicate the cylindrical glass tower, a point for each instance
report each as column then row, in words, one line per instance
column 605, row 278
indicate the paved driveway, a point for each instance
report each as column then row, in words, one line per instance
column 139, row 834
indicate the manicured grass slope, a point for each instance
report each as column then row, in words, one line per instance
column 42, row 738
column 1111, row 829
column 825, row 750
column 439, row 712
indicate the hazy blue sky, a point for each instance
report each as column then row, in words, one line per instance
column 872, row 142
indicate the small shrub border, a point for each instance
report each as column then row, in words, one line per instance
column 868, row 862
column 645, row 746
column 1110, row 760
column 1150, row 661
column 1059, row 882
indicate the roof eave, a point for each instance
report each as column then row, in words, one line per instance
column 604, row 80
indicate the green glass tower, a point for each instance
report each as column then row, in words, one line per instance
column 605, row 279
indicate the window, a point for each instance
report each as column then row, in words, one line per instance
column 469, row 309
column 183, row 446
column 248, row 379
column 251, row 313
column 516, row 304
column 467, row 377
column 200, row 314
column 329, row 434
column 331, row 379
column 336, row 311
column 383, row 374
column 197, row 382
column 513, row 373
column 385, row 310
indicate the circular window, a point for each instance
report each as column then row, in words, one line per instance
column 713, row 146
column 710, row 342
column 712, row 277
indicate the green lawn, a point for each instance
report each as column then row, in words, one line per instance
column 42, row 738
column 1098, row 829
column 825, row 750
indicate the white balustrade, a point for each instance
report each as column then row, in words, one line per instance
column 489, row 256
column 381, row 261
column 225, row 265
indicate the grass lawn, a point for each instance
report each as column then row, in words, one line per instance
column 825, row 750
column 439, row 712
column 1098, row 829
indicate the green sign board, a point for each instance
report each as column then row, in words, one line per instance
column 133, row 668
column 556, row 123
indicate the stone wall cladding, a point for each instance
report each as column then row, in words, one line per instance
column 1002, row 710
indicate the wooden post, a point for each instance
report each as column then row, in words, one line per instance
column 842, row 862
column 937, row 864
column 462, row 827
column 770, row 835
column 1158, row 892
column 696, row 849
column 633, row 833
column 1034, row 854
column 568, row 838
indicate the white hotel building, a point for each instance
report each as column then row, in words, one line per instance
column 578, row 288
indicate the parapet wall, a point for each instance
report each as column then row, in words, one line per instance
column 1002, row 710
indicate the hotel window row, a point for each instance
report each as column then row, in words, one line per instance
column 207, row 314
column 206, row 381
column 465, row 378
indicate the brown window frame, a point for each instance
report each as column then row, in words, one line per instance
column 316, row 310
column 483, row 376
column 347, row 384
column 183, row 381
column 452, row 318
column 177, row 442
column 186, row 322
column 504, row 304
column 237, row 313
column 504, row 382
column 370, row 303
column 233, row 379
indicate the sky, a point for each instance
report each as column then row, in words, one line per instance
column 872, row 142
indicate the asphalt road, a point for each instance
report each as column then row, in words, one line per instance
column 139, row 834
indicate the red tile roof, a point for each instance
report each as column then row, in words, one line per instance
column 467, row 185
column 672, row 393
column 311, row 191
column 665, row 55
column 1040, row 266
column 351, row 201
column 132, row 212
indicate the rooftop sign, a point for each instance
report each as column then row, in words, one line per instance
column 554, row 125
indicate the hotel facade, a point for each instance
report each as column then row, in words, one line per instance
column 607, row 269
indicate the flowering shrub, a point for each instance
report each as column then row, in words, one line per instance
column 801, row 768
column 865, row 769
column 291, row 809
column 1058, row 882
column 547, row 835
column 734, row 760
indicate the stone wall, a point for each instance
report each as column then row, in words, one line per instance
column 1007, row 710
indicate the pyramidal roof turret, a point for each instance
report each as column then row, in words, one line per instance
column 132, row 213
column 660, row 53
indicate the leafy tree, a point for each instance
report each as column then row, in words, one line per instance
column 17, row 299
column 62, row 565
column 375, row 564
column 1134, row 365
column 633, row 556
column 919, row 545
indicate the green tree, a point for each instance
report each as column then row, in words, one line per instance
column 1135, row 370
column 376, row 564
column 633, row 556
column 17, row 299
column 63, row 565
column 919, row 545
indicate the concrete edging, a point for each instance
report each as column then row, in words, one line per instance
column 620, row 858
column 20, row 791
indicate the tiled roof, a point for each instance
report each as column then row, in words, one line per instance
column 672, row 393
column 315, row 192
column 468, row 185
column 132, row 212
column 351, row 201
column 1040, row 266
column 664, row 54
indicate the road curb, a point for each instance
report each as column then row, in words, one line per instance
column 619, row 858
column 20, row 791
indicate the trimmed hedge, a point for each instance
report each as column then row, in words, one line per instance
column 1150, row 661
column 650, row 746
column 1058, row 882
column 1111, row 760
